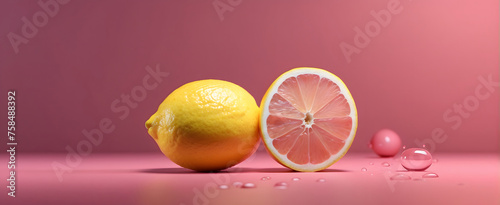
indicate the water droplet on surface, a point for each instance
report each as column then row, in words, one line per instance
column 404, row 147
column 423, row 146
column 400, row 177
column 321, row 180
column 281, row 185
column 364, row 169
column 386, row 164
column 295, row 179
column 416, row 159
column 237, row 184
column 223, row 186
column 265, row 178
column 248, row 185
column 371, row 163
column 430, row 175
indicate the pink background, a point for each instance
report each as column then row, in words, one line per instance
column 427, row 58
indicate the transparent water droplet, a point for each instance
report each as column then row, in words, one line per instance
column 400, row 177
column 321, row 180
column 404, row 147
column 416, row 159
column 386, row 164
column 364, row 169
column 371, row 163
column 295, row 179
column 223, row 186
column 237, row 184
column 423, row 146
column 265, row 178
column 281, row 185
column 248, row 185
column 430, row 175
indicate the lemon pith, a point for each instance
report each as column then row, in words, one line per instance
column 282, row 159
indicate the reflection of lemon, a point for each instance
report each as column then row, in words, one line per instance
column 207, row 125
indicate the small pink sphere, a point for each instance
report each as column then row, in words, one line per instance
column 385, row 143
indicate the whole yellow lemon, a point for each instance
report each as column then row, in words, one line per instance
column 207, row 125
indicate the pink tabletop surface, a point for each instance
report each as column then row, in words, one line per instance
column 153, row 179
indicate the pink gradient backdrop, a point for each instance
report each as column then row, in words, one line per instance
column 428, row 58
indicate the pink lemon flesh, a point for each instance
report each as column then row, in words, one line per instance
column 308, row 119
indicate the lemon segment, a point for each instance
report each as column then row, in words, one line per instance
column 308, row 119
